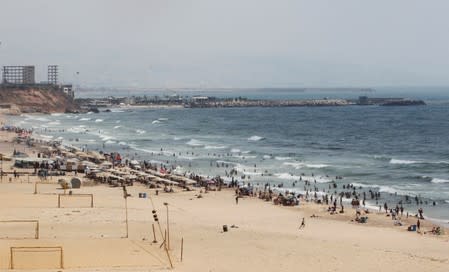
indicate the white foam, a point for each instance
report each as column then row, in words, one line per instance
column 46, row 136
column 214, row 147
column 56, row 114
column 447, row 201
column 235, row 150
column 54, row 123
column 300, row 165
column 437, row 180
column 162, row 119
column 244, row 157
column 116, row 127
column 282, row 158
column 255, row 138
column 287, row 176
column 395, row 161
column 156, row 122
column 194, row 142
column 266, row 157
column 177, row 138
column 122, row 143
column 84, row 119
column 99, row 120
column 140, row 131
column 109, row 142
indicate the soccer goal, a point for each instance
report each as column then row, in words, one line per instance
column 36, row 257
column 75, row 200
column 19, row 229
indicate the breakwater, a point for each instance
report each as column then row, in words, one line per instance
column 92, row 104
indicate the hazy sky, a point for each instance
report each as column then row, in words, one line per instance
column 230, row 43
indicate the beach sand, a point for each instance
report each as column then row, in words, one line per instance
column 266, row 237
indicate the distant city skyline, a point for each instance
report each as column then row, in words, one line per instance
column 229, row 44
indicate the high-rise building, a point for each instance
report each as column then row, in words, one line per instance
column 18, row 75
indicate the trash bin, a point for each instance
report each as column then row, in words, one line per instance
column 225, row 228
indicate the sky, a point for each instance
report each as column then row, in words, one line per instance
column 230, row 43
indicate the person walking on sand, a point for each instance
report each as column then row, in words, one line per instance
column 236, row 200
column 418, row 225
column 303, row 223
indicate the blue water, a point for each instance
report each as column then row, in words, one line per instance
column 395, row 150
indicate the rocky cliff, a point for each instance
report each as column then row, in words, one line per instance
column 47, row 99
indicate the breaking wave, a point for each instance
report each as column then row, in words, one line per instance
column 255, row 138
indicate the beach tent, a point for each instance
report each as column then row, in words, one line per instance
column 76, row 183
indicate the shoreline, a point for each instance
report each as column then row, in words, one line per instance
column 437, row 221
column 269, row 232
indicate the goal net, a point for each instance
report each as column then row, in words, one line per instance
column 75, row 200
column 36, row 257
column 19, row 229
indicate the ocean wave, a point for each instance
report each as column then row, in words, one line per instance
column 244, row 157
column 235, row 150
column 382, row 157
column 36, row 118
column 282, row 158
column 421, row 162
column 98, row 120
column 289, row 176
column 266, row 157
column 156, row 122
column 255, row 138
column 299, row 165
column 116, row 127
column 438, row 180
column 76, row 129
column 194, row 142
column 396, row 161
column 447, row 201
column 105, row 137
column 177, row 138
column 84, row 119
column 214, row 147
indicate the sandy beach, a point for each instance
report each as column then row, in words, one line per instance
column 260, row 236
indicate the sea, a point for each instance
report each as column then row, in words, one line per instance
column 395, row 150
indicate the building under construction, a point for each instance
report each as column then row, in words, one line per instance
column 24, row 77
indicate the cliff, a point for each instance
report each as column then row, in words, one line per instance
column 33, row 99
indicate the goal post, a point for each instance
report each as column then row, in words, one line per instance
column 91, row 196
column 14, row 223
column 36, row 256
